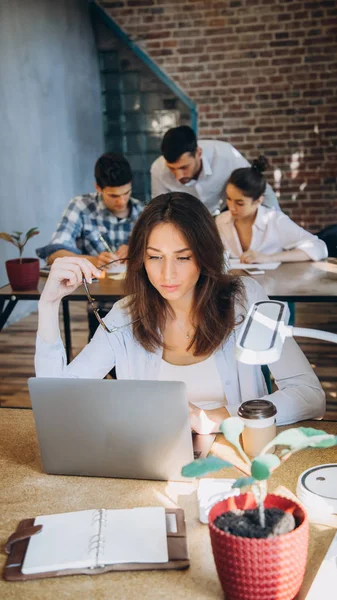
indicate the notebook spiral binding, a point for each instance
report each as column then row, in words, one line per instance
column 97, row 541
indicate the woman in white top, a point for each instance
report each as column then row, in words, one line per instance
column 179, row 321
column 256, row 234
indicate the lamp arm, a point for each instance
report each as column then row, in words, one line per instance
column 311, row 333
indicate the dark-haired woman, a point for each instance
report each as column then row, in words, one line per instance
column 178, row 322
column 256, row 234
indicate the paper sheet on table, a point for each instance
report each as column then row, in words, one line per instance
column 324, row 584
column 234, row 263
column 116, row 268
column 116, row 275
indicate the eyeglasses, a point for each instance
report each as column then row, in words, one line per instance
column 92, row 301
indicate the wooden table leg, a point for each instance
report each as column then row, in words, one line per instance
column 6, row 312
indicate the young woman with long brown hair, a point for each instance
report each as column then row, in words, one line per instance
column 178, row 321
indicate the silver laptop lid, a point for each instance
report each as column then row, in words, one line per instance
column 112, row 428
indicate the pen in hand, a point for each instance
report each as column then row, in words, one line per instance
column 106, row 245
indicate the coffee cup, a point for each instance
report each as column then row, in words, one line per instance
column 259, row 418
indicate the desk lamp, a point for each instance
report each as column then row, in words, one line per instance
column 264, row 331
column 260, row 342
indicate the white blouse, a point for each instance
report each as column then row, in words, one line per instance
column 273, row 231
column 202, row 379
column 299, row 395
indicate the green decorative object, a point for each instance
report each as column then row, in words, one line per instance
column 262, row 466
column 201, row 466
column 15, row 238
column 243, row 482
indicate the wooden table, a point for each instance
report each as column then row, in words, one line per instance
column 302, row 282
column 26, row 492
column 105, row 290
column 292, row 282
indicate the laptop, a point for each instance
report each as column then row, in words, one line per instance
column 114, row 428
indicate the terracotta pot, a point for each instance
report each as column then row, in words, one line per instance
column 23, row 275
column 260, row 569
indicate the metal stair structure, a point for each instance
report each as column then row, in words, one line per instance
column 139, row 101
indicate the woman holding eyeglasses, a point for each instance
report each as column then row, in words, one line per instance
column 178, row 321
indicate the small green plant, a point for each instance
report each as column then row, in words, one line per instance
column 15, row 238
column 261, row 467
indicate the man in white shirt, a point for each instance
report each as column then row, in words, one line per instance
column 199, row 168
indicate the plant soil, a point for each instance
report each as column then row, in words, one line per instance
column 246, row 523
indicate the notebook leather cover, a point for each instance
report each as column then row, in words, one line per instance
column 17, row 545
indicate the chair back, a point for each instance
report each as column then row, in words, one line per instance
column 329, row 236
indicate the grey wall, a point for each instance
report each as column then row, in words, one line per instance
column 50, row 116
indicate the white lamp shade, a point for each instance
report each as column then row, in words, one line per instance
column 263, row 332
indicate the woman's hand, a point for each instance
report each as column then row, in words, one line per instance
column 66, row 276
column 254, row 257
column 206, row 421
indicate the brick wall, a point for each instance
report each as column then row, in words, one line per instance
column 263, row 74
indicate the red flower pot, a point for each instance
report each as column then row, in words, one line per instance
column 23, row 275
column 260, row 569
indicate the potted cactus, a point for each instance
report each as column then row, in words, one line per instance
column 23, row 273
column 259, row 540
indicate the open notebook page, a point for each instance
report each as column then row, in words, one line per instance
column 141, row 533
column 63, row 542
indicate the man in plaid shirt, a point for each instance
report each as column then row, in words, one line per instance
column 94, row 223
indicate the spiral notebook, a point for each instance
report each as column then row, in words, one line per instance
column 95, row 538
column 96, row 541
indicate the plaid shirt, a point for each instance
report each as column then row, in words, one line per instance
column 84, row 220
